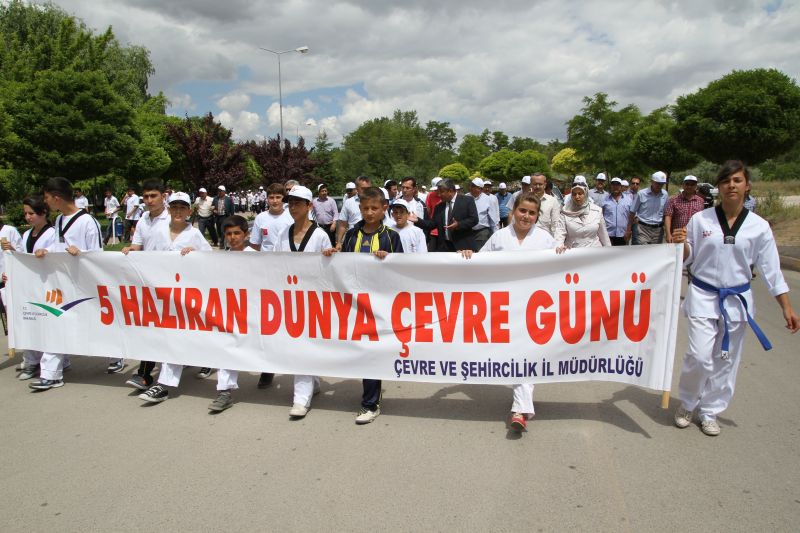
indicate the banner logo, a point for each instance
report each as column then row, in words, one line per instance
column 53, row 305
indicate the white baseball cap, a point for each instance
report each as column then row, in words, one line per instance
column 502, row 185
column 526, row 180
column 435, row 181
column 202, row 189
column 601, row 176
column 298, row 191
column 690, row 178
column 458, row 187
column 616, row 180
column 625, row 183
column 477, row 182
column 487, row 182
column 179, row 197
column 579, row 180
column 385, row 193
column 659, row 177
column 350, row 185
column 402, row 203
column 222, row 188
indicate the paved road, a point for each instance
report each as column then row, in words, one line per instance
column 600, row 457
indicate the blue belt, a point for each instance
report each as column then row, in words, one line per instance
column 724, row 293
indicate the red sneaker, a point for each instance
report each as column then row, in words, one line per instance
column 518, row 422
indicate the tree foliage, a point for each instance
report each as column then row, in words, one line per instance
column 472, row 150
column 526, row 163
column 456, row 172
column 748, row 114
column 654, row 143
column 566, row 161
column 495, row 165
column 281, row 163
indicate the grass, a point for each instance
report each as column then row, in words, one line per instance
column 773, row 208
column 781, row 188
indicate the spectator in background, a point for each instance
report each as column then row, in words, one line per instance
column 223, row 208
column 204, row 208
column 549, row 207
column 525, row 186
column 617, row 214
column 132, row 213
column 488, row 214
column 503, row 197
column 632, row 191
column 81, row 202
column 325, row 212
column 599, row 194
column 431, row 201
column 454, row 218
column 349, row 190
column 111, row 208
column 681, row 207
column 648, row 209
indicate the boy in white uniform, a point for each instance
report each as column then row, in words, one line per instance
column 720, row 243
column 76, row 231
column 177, row 235
column 150, row 226
column 302, row 236
column 411, row 236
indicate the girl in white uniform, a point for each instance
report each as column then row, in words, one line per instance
column 522, row 234
column 721, row 243
column 302, row 236
column 39, row 237
column 76, row 231
column 181, row 236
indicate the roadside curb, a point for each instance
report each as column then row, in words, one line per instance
column 790, row 263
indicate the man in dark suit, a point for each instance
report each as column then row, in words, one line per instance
column 223, row 208
column 454, row 218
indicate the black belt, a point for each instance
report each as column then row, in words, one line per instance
column 651, row 225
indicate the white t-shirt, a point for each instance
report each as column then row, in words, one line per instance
column 111, row 204
column 318, row 241
column 506, row 240
column 351, row 212
column 132, row 207
column 204, row 207
column 84, row 233
column 190, row 236
column 413, row 239
column 148, row 231
column 81, row 202
column 267, row 228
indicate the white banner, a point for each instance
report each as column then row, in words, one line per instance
column 501, row 317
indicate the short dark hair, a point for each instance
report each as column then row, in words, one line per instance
column 412, row 179
column 389, row 183
column 731, row 167
column 371, row 193
column 60, row 187
column 276, row 188
column 447, row 184
column 364, row 179
column 153, row 184
column 37, row 205
column 235, row 221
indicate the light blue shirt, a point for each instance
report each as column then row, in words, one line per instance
column 616, row 214
column 488, row 212
column 598, row 197
column 649, row 207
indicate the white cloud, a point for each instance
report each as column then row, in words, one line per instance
column 245, row 125
column 181, row 101
column 515, row 65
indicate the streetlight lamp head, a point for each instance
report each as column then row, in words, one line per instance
column 302, row 49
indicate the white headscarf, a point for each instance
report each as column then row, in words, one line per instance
column 573, row 209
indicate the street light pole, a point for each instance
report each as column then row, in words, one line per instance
column 300, row 49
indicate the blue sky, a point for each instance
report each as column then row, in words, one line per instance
column 518, row 66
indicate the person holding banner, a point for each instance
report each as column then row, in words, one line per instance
column 369, row 235
column 177, row 235
column 720, row 243
column 38, row 237
column 303, row 235
column 522, row 234
column 76, row 231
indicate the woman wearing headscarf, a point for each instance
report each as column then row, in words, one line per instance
column 581, row 224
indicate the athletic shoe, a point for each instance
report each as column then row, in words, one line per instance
column 710, row 427
column 116, row 366
column 204, row 373
column 518, row 422
column 155, row 394
column 365, row 416
column 265, row 380
column 46, row 384
column 222, row 402
column 683, row 418
column 140, row 382
column 28, row 372
column 298, row 411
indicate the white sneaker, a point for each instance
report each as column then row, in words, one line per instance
column 683, row 418
column 710, row 427
column 365, row 416
column 298, row 411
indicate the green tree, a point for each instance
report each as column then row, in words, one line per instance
column 784, row 167
column 72, row 124
column 495, row 165
column 567, row 162
column 472, row 150
column 526, row 163
column 520, row 144
column 499, row 141
column 748, row 114
column 325, row 171
column 456, row 172
column 443, row 139
column 655, row 145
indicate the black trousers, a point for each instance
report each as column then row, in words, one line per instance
column 371, row 398
column 618, row 241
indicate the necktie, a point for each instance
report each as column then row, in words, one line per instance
column 447, row 221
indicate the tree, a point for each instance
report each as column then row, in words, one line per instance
column 567, row 162
column 208, row 156
column 323, row 153
column 748, row 114
column 602, row 135
column 520, row 144
column 499, row 141
column 71, row 124
column 456, row 172
column 784, row 167
column 526, row 163
column 495, row 165
column 654, row 144
column 443, row 139
column 279, row 165
column 472, row 150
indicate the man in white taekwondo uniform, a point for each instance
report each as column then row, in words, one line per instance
column 720, row 244
column 488, row 214
column 76, row 231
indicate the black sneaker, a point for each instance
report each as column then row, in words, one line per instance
column 28, row 372
column 204, row 373
column 265, row 380
column 139, row 382
column 223, row 401
column 46, row 384
column 155, row 394
column 116, row 366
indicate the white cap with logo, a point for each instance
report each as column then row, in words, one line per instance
column 298, row 191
